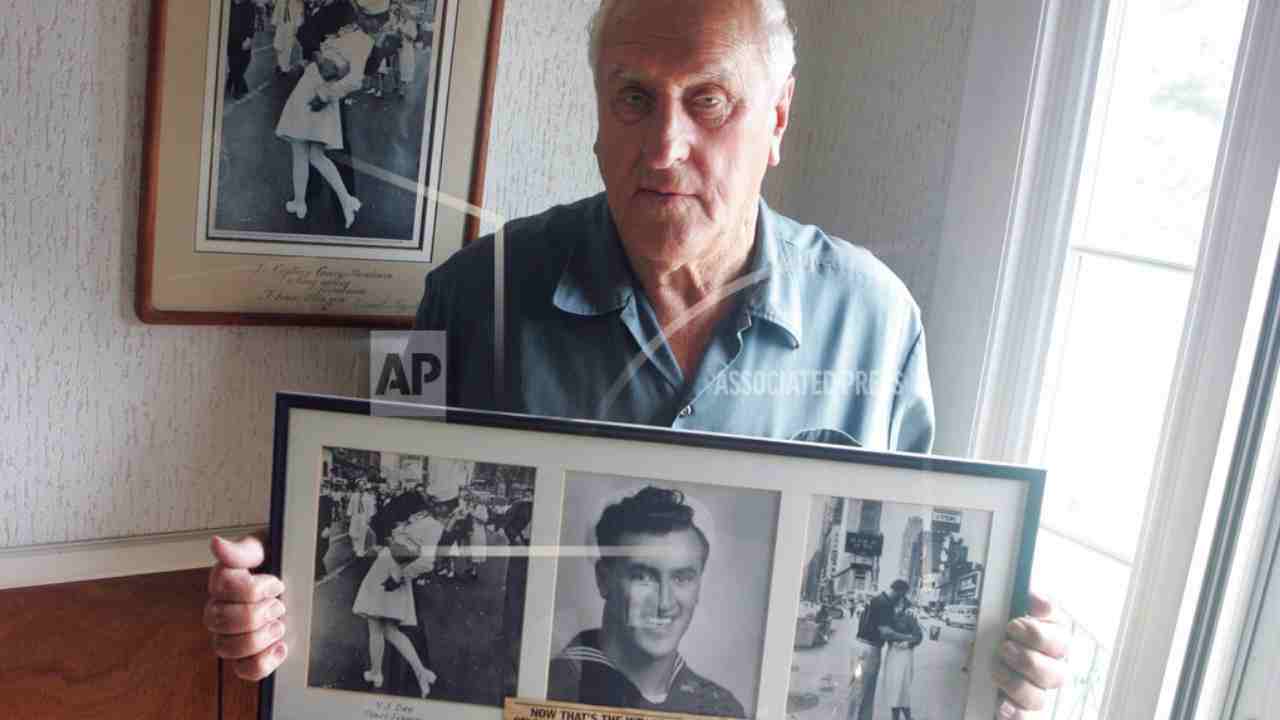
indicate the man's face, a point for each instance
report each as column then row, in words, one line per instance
column 649, row 597
column 689, row 122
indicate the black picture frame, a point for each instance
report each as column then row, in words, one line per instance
column 574, row 436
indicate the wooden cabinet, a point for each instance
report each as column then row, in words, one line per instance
column 130, row 648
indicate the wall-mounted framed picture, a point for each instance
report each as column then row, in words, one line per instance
column 307, row 162
column 472, row 564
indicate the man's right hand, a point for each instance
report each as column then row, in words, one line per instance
column 244, row 614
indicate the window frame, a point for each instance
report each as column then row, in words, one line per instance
column 1031, row 163
column 1242, row 205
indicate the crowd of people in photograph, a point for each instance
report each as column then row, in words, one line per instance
column 332, row 50
column 416, row 531
column 403, row 30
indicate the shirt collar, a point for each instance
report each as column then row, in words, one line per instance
column 597, row 278
column 776, row 297
column 585, row 648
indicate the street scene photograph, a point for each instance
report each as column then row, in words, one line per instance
column 324, row 122
column 421, row 569
column 888, row 611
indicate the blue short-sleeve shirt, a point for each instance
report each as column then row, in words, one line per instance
column 824, row 343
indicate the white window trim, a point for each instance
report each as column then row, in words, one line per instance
column 1235, row 227
column 1251, row 689
column 1015, row 58
column 1004, row 50
column 1245, row 191
column 1043, row 206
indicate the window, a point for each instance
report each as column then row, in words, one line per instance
column 1117, row 327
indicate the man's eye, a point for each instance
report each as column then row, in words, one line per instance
column 709, row 104
column 633, row 100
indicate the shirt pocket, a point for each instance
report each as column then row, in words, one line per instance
column 826, row 436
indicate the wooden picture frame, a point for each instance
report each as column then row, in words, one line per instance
column 771, row 515
column 216, row 244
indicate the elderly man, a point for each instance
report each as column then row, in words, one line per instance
column 678, row 297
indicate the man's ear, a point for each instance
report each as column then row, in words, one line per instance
column 782, row 120
column 602, row 577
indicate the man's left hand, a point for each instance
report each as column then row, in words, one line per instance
column 1031, row 660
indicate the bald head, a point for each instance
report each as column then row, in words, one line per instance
column 762, row 23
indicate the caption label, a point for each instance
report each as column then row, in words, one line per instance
column 517, row 709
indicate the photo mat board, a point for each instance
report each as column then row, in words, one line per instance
column 580, row 467
column 216, row 243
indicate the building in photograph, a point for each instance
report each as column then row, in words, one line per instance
column 822, row 568
column 491, row 482
column 347, row 466
column 908, row 565
column 968, row 588
column 944, row 524
column 863, row 547
column 400, row 471
column 846, row 559
column 929, row 594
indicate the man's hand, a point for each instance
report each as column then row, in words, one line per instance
column 244, row 614
column 317, row 103
column 1032, row 660
column 247, row 44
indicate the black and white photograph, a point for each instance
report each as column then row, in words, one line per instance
column 421, row 570
column 888, row 611
column 662, row 595
column 324, row 126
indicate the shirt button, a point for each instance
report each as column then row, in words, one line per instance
column 686, row 411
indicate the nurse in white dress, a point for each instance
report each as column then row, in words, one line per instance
column 311, row 122
column 385, row 601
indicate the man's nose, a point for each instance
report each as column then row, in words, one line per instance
column 669, row 136
column 666, row 598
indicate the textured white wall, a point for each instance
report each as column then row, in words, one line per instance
column 544, row 116
column 111, row 428
column 868, row 156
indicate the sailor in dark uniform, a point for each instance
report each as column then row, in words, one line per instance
column 633, row 659
column 239, row 47
column 584, row 674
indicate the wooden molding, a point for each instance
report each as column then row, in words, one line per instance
column 471, row 231
column 100, row 559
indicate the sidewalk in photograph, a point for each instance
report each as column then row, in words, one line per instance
column 820, row 676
